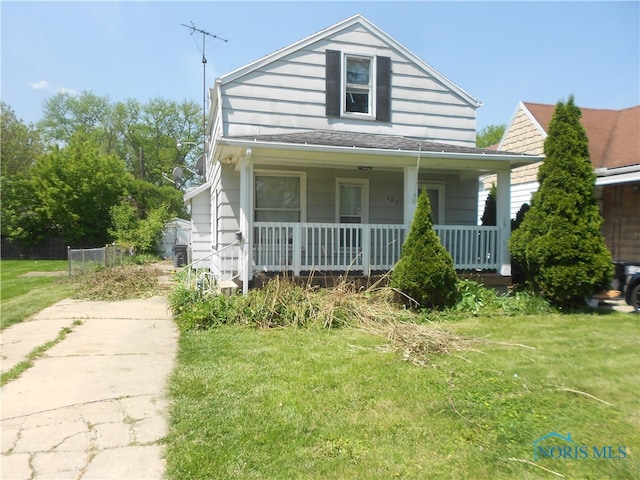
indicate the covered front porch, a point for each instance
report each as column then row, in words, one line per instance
column 300, row 208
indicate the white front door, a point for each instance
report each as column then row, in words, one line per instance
column 352, row 202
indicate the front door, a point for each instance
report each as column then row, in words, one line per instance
column 352, row 207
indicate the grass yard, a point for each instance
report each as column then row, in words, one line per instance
column 302, row 403
column 28, row 286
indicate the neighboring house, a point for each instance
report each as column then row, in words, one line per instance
column 614, row 148
column 177, row 231
column 316, row 155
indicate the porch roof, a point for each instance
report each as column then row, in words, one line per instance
column 372, row 144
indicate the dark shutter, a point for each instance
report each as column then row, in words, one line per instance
column 383, row 89
column 332, row 79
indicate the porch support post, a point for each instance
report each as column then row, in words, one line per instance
column 246, row 174
column 297, row 249
column 503, row 220
column 410, row 194
column 366, row 250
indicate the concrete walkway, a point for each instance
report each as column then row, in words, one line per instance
column 94, row 406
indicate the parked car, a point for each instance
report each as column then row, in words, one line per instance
column 627, row 277
column 632, row 292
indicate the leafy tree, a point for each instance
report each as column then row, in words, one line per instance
column 72, row 191
column 146, row 197
column 490, row 135
column 145, row 136
column 489, row 217
column 425, row 271
column 559, row 243
column 142, row 235
column 164, row 123
column 90, row 141
column 65, row 115
column 21, row 145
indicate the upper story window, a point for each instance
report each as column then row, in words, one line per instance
column 358, row 86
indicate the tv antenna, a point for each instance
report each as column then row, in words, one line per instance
column 193, row 29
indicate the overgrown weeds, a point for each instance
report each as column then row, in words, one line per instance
column 283, row 303
column 117, row 283
column 475, row 299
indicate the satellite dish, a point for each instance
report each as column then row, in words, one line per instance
column 199, row 164
column 177, row 175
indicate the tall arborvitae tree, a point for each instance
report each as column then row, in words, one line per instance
column 425, row 271
column 490, row 214
column 559, row 243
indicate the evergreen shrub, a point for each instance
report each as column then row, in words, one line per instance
column 425, row 272
column 559, row 243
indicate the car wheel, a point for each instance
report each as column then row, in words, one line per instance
column 635, row 298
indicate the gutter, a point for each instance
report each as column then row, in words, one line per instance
column 194, row 192
column 610, row 176
column 378, row 151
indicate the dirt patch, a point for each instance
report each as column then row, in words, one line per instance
column 45, row 274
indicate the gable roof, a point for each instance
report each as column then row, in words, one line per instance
column 614, row 135
column 332, row 30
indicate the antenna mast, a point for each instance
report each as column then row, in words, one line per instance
column 193, row 29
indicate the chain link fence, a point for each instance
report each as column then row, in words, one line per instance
column 83, row 260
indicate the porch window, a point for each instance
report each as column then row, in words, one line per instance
column 278, row 198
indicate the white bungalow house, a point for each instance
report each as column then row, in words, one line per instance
column 316, row 155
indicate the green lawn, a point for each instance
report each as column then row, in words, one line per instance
column 23, row 295
column 340, row 404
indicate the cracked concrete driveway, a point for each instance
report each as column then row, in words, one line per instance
column 93, row 407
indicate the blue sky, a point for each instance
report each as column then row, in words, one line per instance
column 499, row 52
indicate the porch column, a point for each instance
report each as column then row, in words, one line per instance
column 246, row 175
column 410, row 194
column 503, row 220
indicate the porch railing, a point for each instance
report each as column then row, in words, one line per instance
column 301, row 247
column 213, row 269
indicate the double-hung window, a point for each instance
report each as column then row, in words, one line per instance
column 358, row 86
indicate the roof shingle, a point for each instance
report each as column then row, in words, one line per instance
column 368, row 140
column 614, row 135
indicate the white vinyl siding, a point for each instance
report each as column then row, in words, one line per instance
column 201, row 226
column 289, row 95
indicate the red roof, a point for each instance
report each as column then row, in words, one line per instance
column 614, row 135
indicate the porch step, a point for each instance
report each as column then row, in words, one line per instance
column 227, row 287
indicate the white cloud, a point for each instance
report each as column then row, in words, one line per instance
column 39, row 85
column 69, row 91
column 44, row 85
